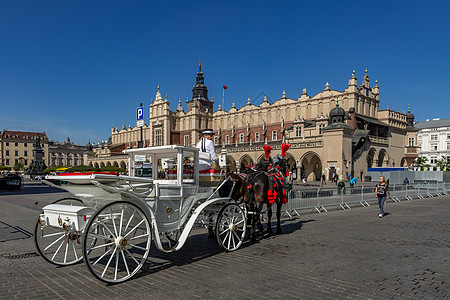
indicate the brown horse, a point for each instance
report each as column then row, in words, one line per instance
column 253, row 187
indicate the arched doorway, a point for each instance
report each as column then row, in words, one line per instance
column 96, row 165
column 371, row 157
column 231, row 163
column 403, row 162
column 108, row 164
column 382, row 158
column 116, row 164
column 311, row 166
column 102, row 164
column 245, row 161
column 123, row 165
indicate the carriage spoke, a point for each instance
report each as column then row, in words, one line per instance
column 100, row 246
column 45, row 249
column 125, row 262
column 121, row 219
column 139, row 236
column 65, row 253
column 241, row 221
column 52, row 234
column 103, row 255
column 229, row 239
column 99, row 236
column 74, row 251
column 129, row 253
column 134, row 228
column 113, row 222
column 57, row 250
column 129, row 221
column 137, row 247
column 117, row 265
column 109, row 261
column 105, row 227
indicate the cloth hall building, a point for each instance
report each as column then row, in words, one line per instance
column 342, row 132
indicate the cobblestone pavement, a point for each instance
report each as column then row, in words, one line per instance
column 341, row 254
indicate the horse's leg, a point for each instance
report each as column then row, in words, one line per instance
column 252, row 218
column 279, row 231
column 260, row 226
column 269, row 218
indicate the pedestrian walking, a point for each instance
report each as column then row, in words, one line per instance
column 336, row 178
column 324, row 179
column 381, row 190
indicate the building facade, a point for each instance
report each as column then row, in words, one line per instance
column 434, row 139
column 66, row 154
column 342, row 132
column 17, row 147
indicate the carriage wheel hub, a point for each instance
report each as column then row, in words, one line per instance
column 233, row 227
column 121, row 242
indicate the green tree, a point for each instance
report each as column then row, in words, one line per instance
column 443, row 163
column 421, row 162
column 18, row 166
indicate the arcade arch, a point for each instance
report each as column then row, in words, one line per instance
column 245, row 160
column 382, row 158
column 116, row 164
column 371, row 157
column 123, row 165
column 311, row 166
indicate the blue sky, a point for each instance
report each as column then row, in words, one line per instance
column 74, row 68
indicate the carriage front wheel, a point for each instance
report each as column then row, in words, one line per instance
column 117, row 241
column 231, row 227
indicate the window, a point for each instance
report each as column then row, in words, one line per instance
column 7, row 161
column 257, row 137
column 434, row 147
column 433, row 137
column 7, row 143
column 158, row 137
column 321, row 127
column 186, row 140
column 241, row 138
column 25, row 137
column 16, row 144
column 448, row 146
column 274, row 135
column 16, row 161
column 16, row 153
column 26, row 162
column 227, row 139
column 448, row 136
column 7, row 152
column 298, row 131
column 433, row 159
column 25, row 144
column 25, row 153
column 216, row 140
column 411, row 141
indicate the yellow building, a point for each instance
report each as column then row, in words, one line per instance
column 17, row 147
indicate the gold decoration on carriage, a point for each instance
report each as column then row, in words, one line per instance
column 60, row 221
column 169, row 209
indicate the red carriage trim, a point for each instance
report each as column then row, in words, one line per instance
column 87, row 173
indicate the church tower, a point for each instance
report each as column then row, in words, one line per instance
column 200, row 95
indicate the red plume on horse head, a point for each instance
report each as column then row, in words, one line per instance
column 267, row 150
column 284, row 148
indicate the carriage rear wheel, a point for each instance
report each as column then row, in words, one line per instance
column 56, row 245
column 117, row 241
column 231, row 227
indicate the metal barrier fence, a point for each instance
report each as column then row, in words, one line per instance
column 319, row 199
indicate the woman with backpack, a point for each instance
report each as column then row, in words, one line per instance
column 381, row 190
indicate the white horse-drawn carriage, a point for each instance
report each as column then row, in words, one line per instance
column 113, row 219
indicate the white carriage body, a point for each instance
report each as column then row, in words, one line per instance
column 169, row 198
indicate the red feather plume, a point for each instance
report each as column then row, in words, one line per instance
column 267, row 150
column 284, row 148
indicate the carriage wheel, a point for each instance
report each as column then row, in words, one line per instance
column 231, row 227
column 117, row 241
column 55, row 245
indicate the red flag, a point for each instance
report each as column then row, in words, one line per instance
column 225, row 87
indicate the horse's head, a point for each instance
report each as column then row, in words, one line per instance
column 281, row 164
column 239, row 187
